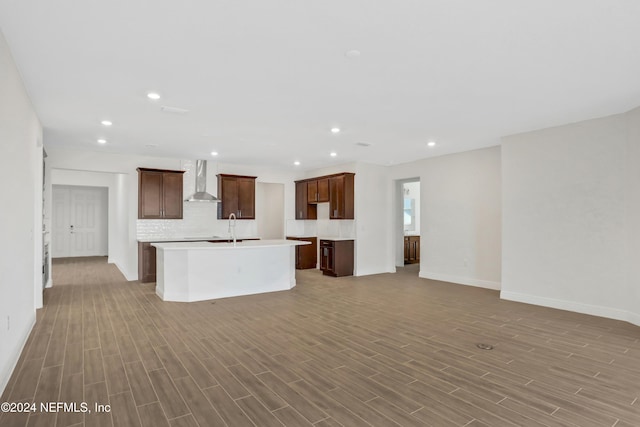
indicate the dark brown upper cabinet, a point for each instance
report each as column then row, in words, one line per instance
column 159, row 194
column 337, row 189
column 318, row 190
column 304, row 210
column 341, row 197
column 237, row 194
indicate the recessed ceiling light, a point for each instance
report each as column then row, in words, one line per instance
column 102, row 141
column 352, row 53
column 106, row 122
column 297, row 163
column 214, row 153
column 333, row 154
column 153, row 95
column 335, row 130
column 431, row 144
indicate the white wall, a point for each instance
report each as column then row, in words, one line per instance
column 571, row 216
column 21, row 215
column 459, row 215
column 374, row 219
column 633, row 214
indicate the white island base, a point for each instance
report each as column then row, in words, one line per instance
column 198, row 271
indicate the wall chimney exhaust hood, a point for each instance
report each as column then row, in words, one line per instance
column 201, row 194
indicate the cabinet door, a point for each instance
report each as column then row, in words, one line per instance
column 323, row 190
column 172, row 195
column 301, row 200
column 341, row 196
column 150, row 195
column 146, row 262
column 228, row 193
column 336, row 197
column 416, row 242
column 308, row 254
column 327, row 258
column 312, row 192
column 303, row 209
column 406, row 249
column 246, row 198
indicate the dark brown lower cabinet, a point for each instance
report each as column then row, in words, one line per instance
column 411, row 249
column 146, row 262
column 336, row 257
column 306, row 255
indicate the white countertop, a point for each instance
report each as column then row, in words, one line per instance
column 226, row 245
column 335, row 239
column 190, row 239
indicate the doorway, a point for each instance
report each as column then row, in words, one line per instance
column 270, row 210
column 79, row 221
column 408, row 230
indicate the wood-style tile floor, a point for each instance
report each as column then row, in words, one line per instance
column 382, row 350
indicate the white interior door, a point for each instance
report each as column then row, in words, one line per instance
column 61, row 220
column 80, row 221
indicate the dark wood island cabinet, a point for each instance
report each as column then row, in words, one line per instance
column 306, row 255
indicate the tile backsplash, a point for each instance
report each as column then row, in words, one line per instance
column 199, row 220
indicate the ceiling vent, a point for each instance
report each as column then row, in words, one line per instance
column 174, row 110
column 363, row 144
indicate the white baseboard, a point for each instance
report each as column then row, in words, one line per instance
column 594, row 310
column 468, row 281
column 129, row 277
column 6, row 371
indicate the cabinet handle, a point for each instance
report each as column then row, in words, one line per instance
column 300, row 214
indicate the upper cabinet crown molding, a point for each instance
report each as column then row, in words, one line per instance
column 159, row 193
column 237, row 194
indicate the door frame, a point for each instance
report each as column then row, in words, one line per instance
column 399, row 218
column 104, row 217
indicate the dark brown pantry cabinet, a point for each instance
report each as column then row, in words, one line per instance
column 336, row 257
column 306, row 255
column 237, row 195
column 159, row 194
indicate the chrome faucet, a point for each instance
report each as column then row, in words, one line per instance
column 232, row 234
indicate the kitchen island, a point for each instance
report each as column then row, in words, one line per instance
column 198, row 271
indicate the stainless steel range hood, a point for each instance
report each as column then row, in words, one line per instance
column 201, row 194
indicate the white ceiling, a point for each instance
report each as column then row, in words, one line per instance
column 264, row 81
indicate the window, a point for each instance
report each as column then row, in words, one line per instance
column 409, row 210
